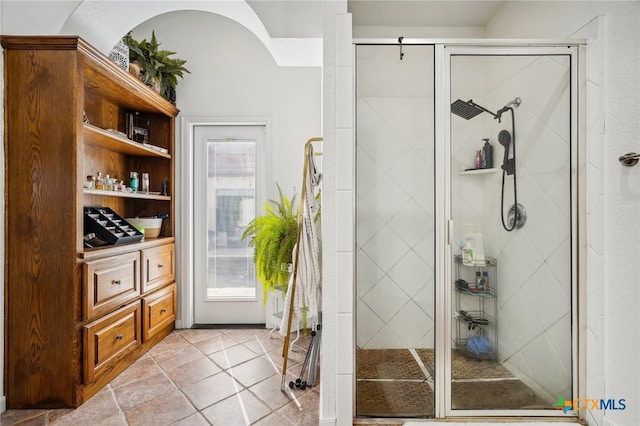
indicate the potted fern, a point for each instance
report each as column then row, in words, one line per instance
column 273, row 237
column 156, row 67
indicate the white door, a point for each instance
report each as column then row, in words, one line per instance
column 227, row 178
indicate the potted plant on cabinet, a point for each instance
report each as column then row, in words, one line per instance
column 273, row 237
column 156, row 68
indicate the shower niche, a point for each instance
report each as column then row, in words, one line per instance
column 476, row 309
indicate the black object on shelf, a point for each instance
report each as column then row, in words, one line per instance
column 109, row 226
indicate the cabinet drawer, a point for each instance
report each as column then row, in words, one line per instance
column 158, row 267
column 110, row 283
column 108, row 339
column 159, row 310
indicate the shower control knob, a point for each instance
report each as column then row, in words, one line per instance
column 517, row 216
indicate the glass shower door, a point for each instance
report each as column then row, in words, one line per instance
column 395, row 323
column 513, row 208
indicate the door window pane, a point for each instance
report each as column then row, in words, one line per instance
column 231, row 183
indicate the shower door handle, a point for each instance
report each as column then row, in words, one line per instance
column 449, row 231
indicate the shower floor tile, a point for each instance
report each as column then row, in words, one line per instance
column 392, row 384
column 394, row 399
column 387, row 364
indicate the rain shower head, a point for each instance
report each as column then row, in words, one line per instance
column 469, row 109
column 466, row 110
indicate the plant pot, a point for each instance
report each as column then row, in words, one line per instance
column 134, row 70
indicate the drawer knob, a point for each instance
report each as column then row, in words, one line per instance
column 116, row 282
column 119, row 336
column 160, row 265
column 163, row 310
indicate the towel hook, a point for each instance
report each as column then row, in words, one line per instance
column 400, row 42
column 629, row 159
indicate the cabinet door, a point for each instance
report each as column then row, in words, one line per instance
column 110, row 283
column 158, row 267
column 109, row 339
column 159, row 310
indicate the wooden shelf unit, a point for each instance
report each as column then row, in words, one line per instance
column 76, row 317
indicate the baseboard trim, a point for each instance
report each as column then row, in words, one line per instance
column 227, row 326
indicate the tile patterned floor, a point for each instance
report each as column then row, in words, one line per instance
column 197, row 377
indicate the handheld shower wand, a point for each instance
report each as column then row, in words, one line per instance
column 517, row 216
column 508, row 164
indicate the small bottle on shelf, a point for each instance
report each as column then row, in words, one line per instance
column 478, row 163
column 485, row 279
column 134, row 182
column 145, row 182
column 479, row 282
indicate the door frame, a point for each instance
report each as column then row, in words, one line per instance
column 184, row 204
column 444, row 228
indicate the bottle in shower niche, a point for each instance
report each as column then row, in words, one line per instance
column 487, row 155
column 485, row 280
column 478, row 163
column 468, row 258
column 479, row 281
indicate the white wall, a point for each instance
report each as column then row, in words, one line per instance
column 234, row 77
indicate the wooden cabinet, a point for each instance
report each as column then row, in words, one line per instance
column 159, row 309
column 76, row 317
column 109, row 339
column 158, row 267
column 110, row 282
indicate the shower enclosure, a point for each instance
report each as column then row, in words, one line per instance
column 466, row 229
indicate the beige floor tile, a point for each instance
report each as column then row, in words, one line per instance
column 230, row 357
column 97, row 409
column 269, row 391
column 197, row 335
column 165, row 410
column 304, row 411
column 191, row 372
column 240, row 409
column 140, row 369
column 196, row 419
column 211, row 390
column 24, row 418
column 216, row 343
column 273, row 419
column 254, row 371
column 143, row 390
column 178, row 356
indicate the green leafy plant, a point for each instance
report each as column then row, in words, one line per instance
column 157, row 66
column 273, row 237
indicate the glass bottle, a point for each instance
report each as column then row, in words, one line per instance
column 145, row 182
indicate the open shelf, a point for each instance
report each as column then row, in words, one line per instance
column 114, row 142
column 478, row 171
column 139, row 195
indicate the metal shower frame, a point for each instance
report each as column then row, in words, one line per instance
column 444, row 49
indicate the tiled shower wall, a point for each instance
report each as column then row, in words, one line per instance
column 534, row 291
column 394, row 201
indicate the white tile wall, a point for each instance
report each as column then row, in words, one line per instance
column 394, row 201
column 344, row 350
